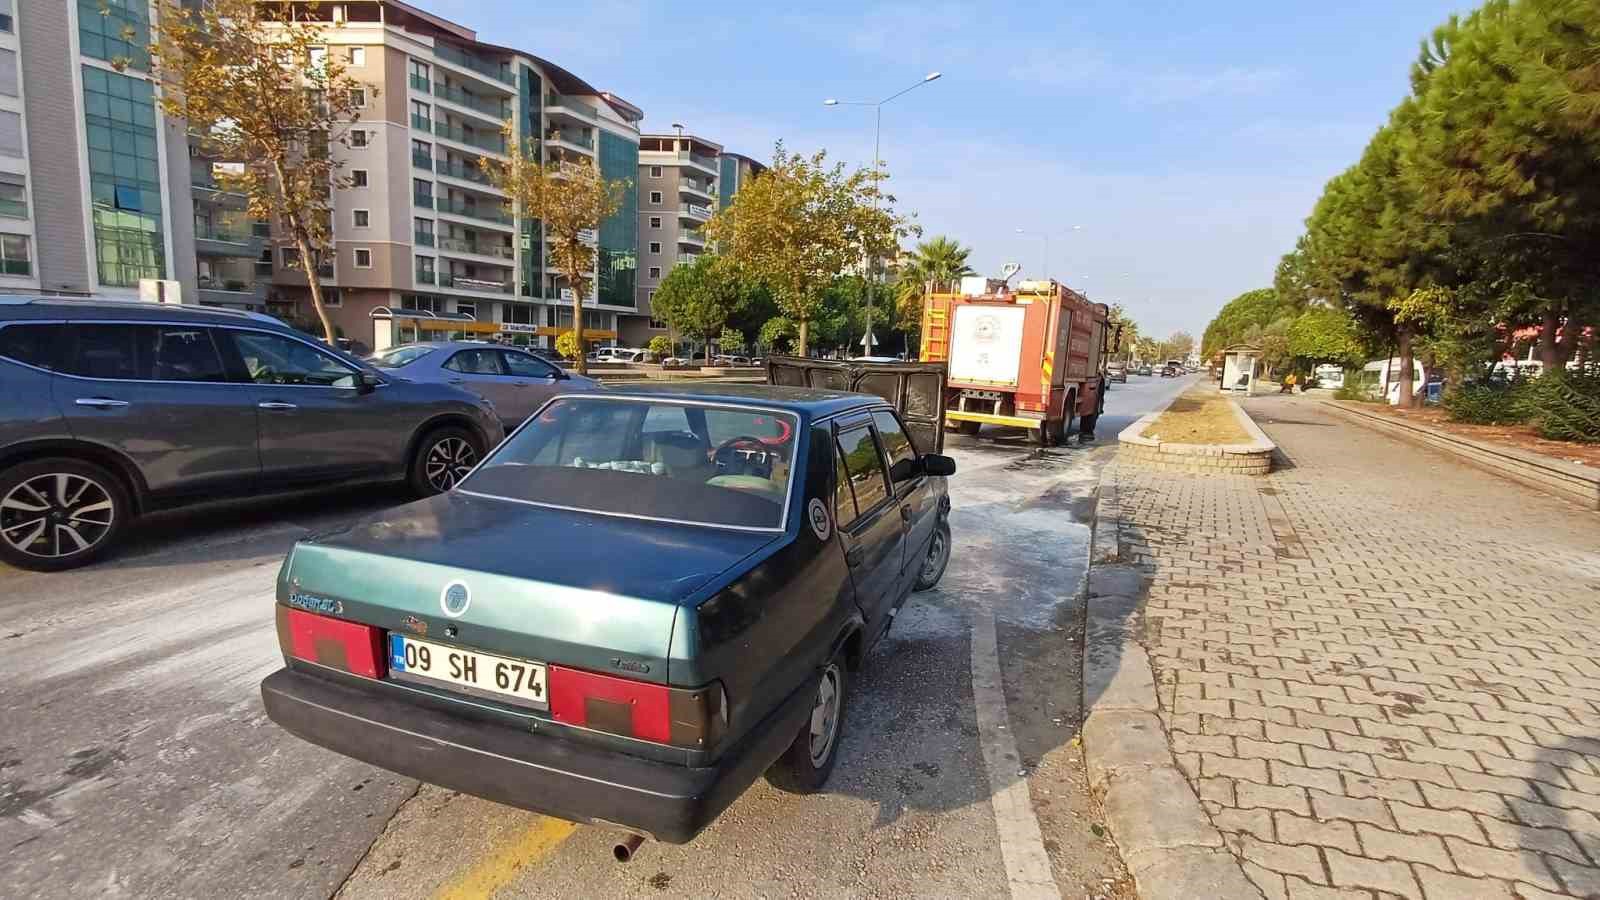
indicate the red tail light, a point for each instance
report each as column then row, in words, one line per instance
column 335, row 643
column 638, row 709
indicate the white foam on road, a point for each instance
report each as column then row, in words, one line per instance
column 1021, row 844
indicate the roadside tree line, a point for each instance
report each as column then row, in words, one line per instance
column 1473, row 213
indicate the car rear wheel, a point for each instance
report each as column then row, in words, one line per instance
column 804, row 768
column 59, row 513
column 443, row 458
column 937, row 560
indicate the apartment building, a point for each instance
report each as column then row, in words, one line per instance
column 424, row 245
column 683, row 179
column 95, row 193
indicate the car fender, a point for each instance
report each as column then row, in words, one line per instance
column 88, row 451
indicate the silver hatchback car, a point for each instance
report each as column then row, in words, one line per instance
column 515, row 381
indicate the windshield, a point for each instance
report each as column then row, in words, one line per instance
column 708, row 465
column 395, row 357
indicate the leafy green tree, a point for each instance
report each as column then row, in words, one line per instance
column 1252, row 309
column 661, row 346
column 1323, row 334
column 938, row 263
column 697, row 298
column 731, row 340
column 800, row 223
column 778, row 332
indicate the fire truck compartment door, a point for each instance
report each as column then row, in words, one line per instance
column 986, row 344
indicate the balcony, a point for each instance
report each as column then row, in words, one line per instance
column 483, row 141
column 706, row 163
column 695, row 211
column 14, row 209
column 237, row 294
column 481, row 285
column 696, row 189
column 422, row 238
column 456, row 245
column 571, row 140
column 422, row 160
column 226, row 241
column 421, row 123
column 687, row 259
column 483, row 212
column 557, row 106
column 420, row 83
column 423, row 276
column 495, row 108
column 472, row 173
column 691, row 236
column 210, row 192
column 422, row 200
column 493, row 69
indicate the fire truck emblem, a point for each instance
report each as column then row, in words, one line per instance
column 987, row 328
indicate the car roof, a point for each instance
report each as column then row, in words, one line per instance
column 20, row 307
column 813, row 403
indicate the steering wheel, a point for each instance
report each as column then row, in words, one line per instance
column 744, row 455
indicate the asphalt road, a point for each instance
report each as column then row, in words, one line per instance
column 135, row 759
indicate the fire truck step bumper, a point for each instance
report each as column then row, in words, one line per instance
column 990, row 419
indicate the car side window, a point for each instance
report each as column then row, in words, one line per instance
column 32, row 343
column 864, row 462
column 144, row 353
column 476, row 362
column 276, row 359
column 902, row 455
column 524, row 366
column 844, row 501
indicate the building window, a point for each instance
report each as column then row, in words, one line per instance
column 655, row 247
column 421, row 116
column 655, row 272
column 657, row 324
column 8, row 72
column 117, row 31
column 331, row 298
column 655, row 196
column 291, row 258
column 358, row 177
column 363, row 258
column 470, row 309
column 13, row 196
column 655, row 171
column 318, row 56
column 655, row 221
column 358, row 56
column 5, row 16
column 10, row 134
column 264, row 263
column 362, row 218
column 124, row 177
column 358, row 98
column 422, row 231
column 14, row 258
column 358, row 137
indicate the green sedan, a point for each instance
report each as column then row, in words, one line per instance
column 635, row 606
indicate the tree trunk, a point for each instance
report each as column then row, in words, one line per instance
column 582, row 362
column 313, row 281
column 805, row 335
column 1549, row 350
column 1408, row 399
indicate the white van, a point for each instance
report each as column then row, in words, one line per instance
column 1388, row 377
column 1329, row 376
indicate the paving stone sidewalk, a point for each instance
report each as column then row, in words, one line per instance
column 1379, row 669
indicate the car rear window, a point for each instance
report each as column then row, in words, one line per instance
column 706, row 465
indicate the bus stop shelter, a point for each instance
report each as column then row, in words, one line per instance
column 1239, row 365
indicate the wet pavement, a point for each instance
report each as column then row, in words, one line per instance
column 135, row 759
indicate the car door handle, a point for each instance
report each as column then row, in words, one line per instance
column 855, row 555
column 276, row 405
column 456, row 381
column 101, row 402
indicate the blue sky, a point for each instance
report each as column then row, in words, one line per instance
column 1189, row 140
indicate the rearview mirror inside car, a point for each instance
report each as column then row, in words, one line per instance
column 938, row 464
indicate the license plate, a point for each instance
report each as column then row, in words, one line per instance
column 512, row 680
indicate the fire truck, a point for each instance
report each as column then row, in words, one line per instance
column 1034, row 357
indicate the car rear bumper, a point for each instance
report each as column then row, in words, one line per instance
column 542, row 773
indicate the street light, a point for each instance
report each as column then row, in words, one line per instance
column 877, row 165
column 1046, row 235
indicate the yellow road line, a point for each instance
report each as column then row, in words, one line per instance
column 496, row 869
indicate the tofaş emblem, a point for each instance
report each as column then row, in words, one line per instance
column 454, row 599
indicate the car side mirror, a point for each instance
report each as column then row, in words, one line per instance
column 367, row 382
column 938, row 464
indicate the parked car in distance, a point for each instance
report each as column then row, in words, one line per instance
column 1117, row 371
column 515, row 381
column 112, row 409
column 1146, row 369
column 770, row 535
column 1171, row 371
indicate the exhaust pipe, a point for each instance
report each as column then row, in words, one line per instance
column 626, row 847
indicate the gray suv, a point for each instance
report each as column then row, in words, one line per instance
column 109, row 409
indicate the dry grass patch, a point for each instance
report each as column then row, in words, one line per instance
column 1198, row 417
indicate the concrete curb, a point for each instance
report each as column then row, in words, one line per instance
column 1579, row 484
column 1167, row 841
column 1252, row 458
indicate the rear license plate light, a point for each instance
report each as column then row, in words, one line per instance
column 346, row 646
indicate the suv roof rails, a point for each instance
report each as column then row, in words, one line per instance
column 148, row 304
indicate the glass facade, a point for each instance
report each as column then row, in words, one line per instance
column 115, row 30
column 619, row 234
column 530, row 124
column 728, row 183
column 124, row 177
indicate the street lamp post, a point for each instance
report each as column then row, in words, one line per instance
column 877, row 169
column 1046, row 236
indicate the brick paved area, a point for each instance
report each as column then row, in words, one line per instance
column 1380, row 670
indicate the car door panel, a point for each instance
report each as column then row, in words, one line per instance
column 314, row 423
column 874, row 537
column 914, row 493
column 161, row 395
column 481, row 371
column 537, row 381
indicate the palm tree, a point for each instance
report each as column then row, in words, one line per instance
column 939, row 262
